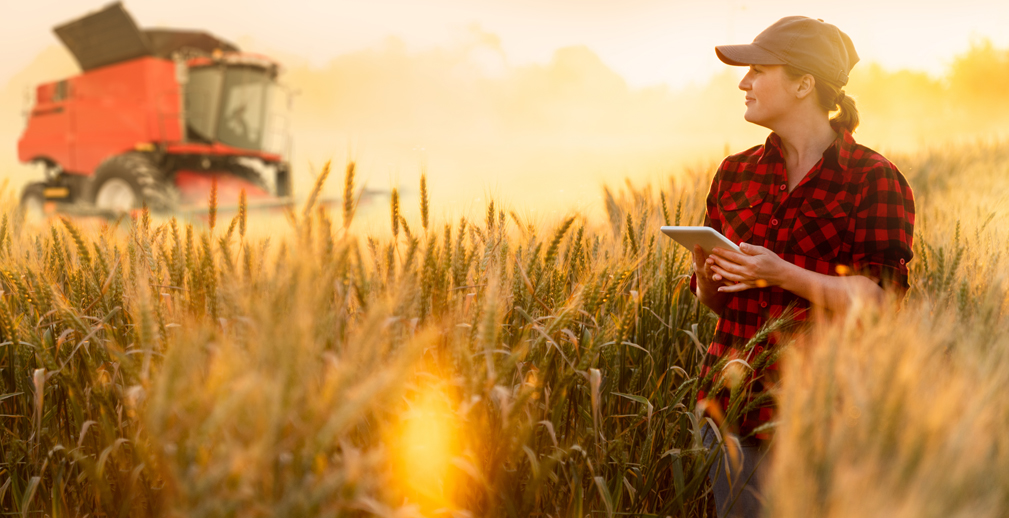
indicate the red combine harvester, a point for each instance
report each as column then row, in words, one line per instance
column 154, row 118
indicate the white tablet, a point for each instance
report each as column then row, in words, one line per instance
column 707, row 237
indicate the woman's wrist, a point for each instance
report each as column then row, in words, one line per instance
column 793, row 278
column 708, row 294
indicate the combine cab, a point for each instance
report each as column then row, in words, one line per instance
column 155, row 117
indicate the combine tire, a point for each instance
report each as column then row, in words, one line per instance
column 127, row 182
column 33, row 201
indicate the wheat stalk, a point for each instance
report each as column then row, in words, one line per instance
column 243, row 210
column 424, row 209
column 349, row 201
column 212, row 204
column 394, row 206
column 313, row 195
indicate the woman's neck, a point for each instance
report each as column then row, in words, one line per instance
column 803, row 142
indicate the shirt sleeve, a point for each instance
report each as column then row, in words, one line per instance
column 711, row 216
column 884, row 228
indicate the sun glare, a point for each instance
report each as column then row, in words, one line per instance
column 427, row 442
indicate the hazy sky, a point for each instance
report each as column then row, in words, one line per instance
column 647, row 41
column 562, row 121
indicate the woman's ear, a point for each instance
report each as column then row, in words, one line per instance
column 805, row 86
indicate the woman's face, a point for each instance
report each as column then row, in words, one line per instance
column 770, row 94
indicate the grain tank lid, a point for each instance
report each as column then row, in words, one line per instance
column 111, row 36
column 104, row 37
column 165, row 42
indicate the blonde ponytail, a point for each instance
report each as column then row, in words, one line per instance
column 847, row 115
column 831, row 98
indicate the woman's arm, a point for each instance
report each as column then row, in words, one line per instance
column 828, row 291
column 756, row 266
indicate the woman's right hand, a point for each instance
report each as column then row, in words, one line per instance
column 708, row 282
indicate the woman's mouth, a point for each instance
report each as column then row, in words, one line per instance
column 749, row 100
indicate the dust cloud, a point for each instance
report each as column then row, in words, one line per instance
column 544, row 137
column 541, row 137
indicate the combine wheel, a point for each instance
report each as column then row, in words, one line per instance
column 116, row 194
column 33, row 202
column 126, row 182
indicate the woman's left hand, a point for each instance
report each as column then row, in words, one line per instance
column 753, row 267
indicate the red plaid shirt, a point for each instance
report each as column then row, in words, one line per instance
column 853, row 211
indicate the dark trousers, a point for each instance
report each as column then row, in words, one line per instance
column 737, row 484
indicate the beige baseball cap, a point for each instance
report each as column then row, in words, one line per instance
column 808, row 44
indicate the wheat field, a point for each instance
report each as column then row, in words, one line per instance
column 490, row 367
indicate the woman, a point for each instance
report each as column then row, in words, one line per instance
column 820, row 219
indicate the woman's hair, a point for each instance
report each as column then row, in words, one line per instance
column 831, row 98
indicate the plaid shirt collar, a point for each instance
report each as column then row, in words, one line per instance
column 839, row 151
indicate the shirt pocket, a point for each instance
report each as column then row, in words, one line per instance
column 821, row 228
column 739, row 213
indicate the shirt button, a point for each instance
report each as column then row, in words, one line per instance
column 783, row 187
column 774, row 222
column 901, row 261
column 763, row 303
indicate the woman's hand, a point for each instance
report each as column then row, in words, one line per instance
column 753, row 267
column 708, row 282
column 706, row 276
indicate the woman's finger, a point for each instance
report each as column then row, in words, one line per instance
column 699, row 256
column 734, row 277
column 700, row 260
column 748, row 249
column 731, row 255
column 735, row 288
column 728, row 265
column 708, row 272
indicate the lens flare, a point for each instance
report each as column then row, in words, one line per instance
column 427, row 441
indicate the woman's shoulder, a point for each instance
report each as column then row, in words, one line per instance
column 742, row 160
column 878, row 176
column 872, row 165
column 752, row 154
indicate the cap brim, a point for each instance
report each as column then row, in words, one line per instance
column 746, row 55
